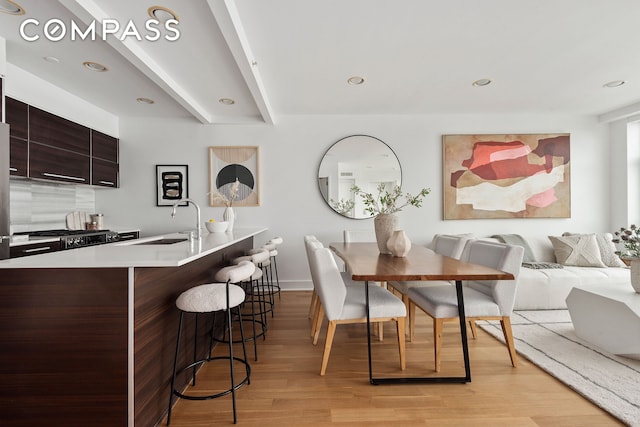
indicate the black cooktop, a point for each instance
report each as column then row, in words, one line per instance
column 60, row 232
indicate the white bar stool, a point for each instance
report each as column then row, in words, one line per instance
column 211, row 298
column 252, row 305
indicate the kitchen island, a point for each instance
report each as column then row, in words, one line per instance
column 88, row 335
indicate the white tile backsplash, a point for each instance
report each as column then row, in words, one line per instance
column 37, row 205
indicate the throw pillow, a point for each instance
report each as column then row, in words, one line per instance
column 579, row 251
column 607, row 249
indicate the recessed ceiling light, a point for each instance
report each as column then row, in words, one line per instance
column 51, row 59
column 10, row 7
column 145, row 100
column 226, row 101
column 162, row 13
column 355, row 80
column 614, row 83
column 94, row 66
column 482, row 82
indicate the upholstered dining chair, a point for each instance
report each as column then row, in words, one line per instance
column 447, row 245
column 346, row 304
column 311, row 243
column 483, row 300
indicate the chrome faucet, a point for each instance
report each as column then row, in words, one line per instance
column 173, row 214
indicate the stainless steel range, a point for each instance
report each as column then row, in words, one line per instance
column 70, row 239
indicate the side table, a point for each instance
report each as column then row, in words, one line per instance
column 608, row 318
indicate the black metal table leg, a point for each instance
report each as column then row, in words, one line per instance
column 423, row 380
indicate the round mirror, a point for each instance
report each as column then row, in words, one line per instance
column 359, row 160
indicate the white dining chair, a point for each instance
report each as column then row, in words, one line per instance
column 483, row 299
column 311, row 243
column 447, row 245
column 346, row 304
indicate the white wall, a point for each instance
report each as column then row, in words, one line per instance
column 291, row 150
column 32, row 90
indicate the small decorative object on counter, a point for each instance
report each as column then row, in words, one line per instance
column 399, row 244
column 384, row 205
column 98, row 218
column 228, row 215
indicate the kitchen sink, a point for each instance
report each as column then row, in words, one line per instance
column 161, row 242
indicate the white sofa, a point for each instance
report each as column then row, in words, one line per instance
column 544, row 289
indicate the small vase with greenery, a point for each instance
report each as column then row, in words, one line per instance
column 384, row 205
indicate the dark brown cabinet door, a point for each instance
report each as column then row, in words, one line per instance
column 104, row 159
column 18, row 157
column 17, row 115
column 104, row 173
column 59, row 165
column 104, row 147
column 49, row 129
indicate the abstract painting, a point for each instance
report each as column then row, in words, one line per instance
column 507, row 176
column 172, row 184
column 228, row 165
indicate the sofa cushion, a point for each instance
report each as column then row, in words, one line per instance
column 547, row 289
column 607, row 249
column 579, row 251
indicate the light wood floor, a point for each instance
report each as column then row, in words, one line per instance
column 287, row 390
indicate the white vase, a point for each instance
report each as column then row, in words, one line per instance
column 384, row 225
column 230, row 216
column 399, row 243
column 635, row 274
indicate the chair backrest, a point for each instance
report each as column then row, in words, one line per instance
column 311, row 245
column 451, row 246
column 358, row 236
column 507, row 258
column 330, row 286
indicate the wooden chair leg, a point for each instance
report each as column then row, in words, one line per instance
column 318, row 323
column 331, row 330
column 315, row 323
column 400, row 326
column 412, row 316
column 409, row 322
column 312, row 304
column 474, row 330
column 380, row 331
column 437, row 341
column 505, row 322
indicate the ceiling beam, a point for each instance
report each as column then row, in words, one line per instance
column 228, row 19
column 88, row 10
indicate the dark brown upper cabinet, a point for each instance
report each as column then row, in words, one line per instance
column 104, row 147
column 49, row 129
column 47, row 162
column 46, row 146
column 18, row 156
column 104, row 160
column 17, row 116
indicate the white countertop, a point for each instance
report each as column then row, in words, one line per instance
column 134, row 253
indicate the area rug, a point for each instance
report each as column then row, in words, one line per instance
column 547, row 339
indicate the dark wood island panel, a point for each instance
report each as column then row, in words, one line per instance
column 65, row 334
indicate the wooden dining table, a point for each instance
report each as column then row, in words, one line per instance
column 365, row 263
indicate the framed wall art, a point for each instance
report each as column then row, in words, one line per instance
column 507, row 176
column 234, row 174
column 172, row 184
